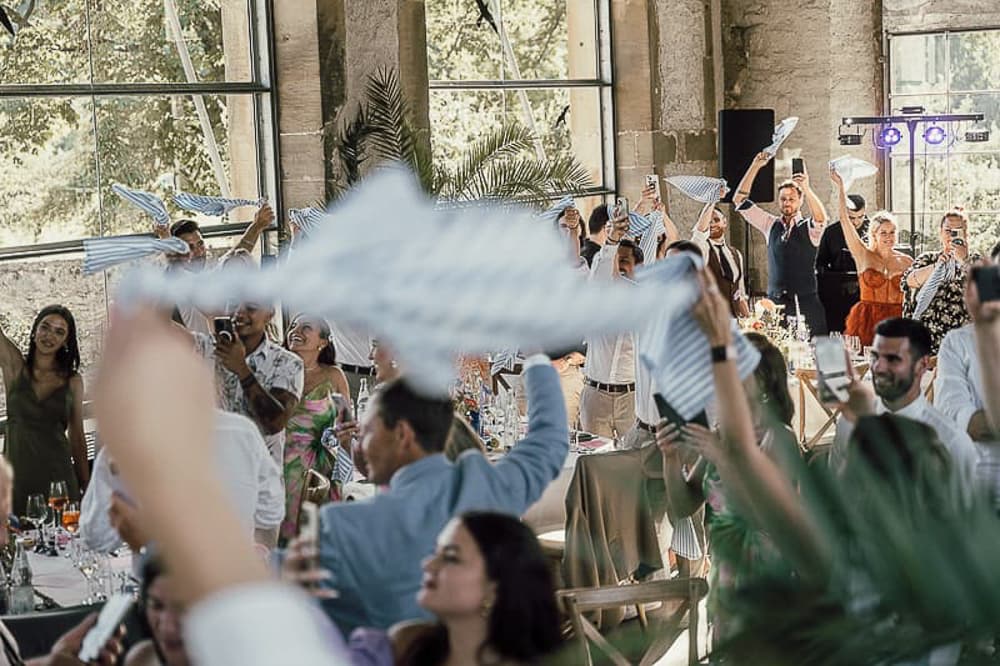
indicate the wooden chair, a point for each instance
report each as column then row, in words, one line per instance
column 679, row 598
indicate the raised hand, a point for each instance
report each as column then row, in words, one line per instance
column 837, row 180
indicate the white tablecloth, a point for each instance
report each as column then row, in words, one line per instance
column 56, row 577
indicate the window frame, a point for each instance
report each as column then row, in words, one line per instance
column 604, row 83
column 923, row 212
column 261, row 88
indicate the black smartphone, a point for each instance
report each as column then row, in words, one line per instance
column 224, row 329
column 987, row 282
column 798, row 165
column 668, row 412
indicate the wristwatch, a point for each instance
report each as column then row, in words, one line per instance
column 721, row 354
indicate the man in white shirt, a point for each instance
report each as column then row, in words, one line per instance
column 353, row 348
column 958, row 393
column 899, row 360
column 607, row 403
column 252, row 478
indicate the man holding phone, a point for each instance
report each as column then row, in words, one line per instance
column 899, row 359
column 792, row 240
column 934, row 286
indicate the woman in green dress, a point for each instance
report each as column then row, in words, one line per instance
column 737, row 548
column 309, row 338
column 45, row 440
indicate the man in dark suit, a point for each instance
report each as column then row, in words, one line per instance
column 836, row 272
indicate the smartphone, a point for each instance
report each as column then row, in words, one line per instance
column 987, row 282
column 652, row 180
column 667, row 411
column 831, row 366
column 111, row 617
column 224, row 329
column 621, row 207
column 798, row 165
column 309, row 522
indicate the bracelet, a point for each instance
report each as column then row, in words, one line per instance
column 612, row 240
column 248, row 381
column 743, row 192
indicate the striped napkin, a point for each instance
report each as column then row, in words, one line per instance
column 673, row 347
column 781, row 132
column 699, row 188
column 100, row 254
column 638, row 224
column 944, row 271
column 852, row 168
column 552, row 214
column 305, row 219
column 145, row 201
column 215, row 206
column 504, row 360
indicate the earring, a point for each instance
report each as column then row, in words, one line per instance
column 486, row 609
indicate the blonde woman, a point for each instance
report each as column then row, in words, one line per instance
column 880, row 270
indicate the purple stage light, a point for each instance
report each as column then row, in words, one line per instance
column 891, row 136
column 934, row 135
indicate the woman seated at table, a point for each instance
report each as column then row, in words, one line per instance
column 162, row 616
column 880, row 269
column 491, row 589
column 687, row 489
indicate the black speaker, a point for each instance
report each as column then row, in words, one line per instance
column 742, row 134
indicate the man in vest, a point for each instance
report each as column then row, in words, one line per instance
column 792, row 240
column 725, row 262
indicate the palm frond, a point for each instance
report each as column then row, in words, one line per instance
column 392, row 136
column 350, row 145
column 518, row 178
column 507, row 141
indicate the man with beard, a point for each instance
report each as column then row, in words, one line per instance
column 792, row 240
column 725, row 262
column 899, row 359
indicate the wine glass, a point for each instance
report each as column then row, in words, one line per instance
column 71, row 517
column 37, row 513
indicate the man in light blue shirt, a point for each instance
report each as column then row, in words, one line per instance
column 373, row 548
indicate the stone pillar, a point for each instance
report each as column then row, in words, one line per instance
column 301, row 171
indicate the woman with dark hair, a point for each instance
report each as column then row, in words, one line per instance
column 491, row 590
column 162, row 615
column 690, row 486
column 44, row 403
column 309, row 337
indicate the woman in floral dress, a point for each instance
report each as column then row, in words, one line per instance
column 309, row 338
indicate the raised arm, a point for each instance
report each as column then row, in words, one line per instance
column 816, row 207
column 569, row 224
column 743, row 189
column 11, row 361
column 262, row 219
column 168, row 463
column 854, row 243
column 753, row 479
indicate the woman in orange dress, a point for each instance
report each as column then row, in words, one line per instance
column 880, row 270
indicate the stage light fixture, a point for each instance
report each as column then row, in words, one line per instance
column 934, row 135
column 977, row 135
column 890, row 136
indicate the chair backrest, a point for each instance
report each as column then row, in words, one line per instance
column 679, row 597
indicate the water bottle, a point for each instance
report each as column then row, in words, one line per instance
column 22, row 595
column 363, row 397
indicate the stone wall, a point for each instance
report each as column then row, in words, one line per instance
column 827, row 67
column 933, row 15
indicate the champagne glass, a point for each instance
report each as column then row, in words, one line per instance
column 58, row 496
column 37, row 513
